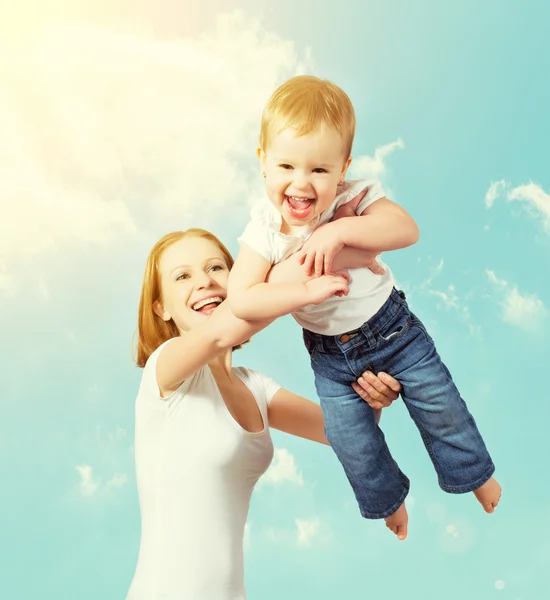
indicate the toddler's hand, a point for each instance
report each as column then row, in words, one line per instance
column 322, row 288
column 319, row 251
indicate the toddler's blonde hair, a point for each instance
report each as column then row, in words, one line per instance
column 308, row 103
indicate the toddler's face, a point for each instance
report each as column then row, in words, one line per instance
column 302, row 172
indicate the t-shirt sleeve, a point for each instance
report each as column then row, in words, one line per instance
column 256, row 234
column 264, row 388
column 350, row 190
column 270, row 387
column 374, row 193
column 149, row 383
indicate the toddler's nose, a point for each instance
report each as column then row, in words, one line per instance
column 301, row 182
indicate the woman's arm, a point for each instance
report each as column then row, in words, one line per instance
column 185, row 355
column 298, row 416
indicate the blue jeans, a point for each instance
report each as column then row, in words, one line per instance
column 395, row 341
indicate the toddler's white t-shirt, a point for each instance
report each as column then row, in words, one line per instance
column 367, row 291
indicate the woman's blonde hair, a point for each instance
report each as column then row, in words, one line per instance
column 152, row 330
column 308, row 103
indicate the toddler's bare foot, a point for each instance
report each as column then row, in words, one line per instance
column 489, row 494
column 398, row 522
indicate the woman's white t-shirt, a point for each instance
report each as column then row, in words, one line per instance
column 196, row 468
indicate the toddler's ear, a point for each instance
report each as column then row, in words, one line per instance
column 261, row 157
column 346, row 167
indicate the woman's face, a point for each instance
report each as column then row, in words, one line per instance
column 193, row 278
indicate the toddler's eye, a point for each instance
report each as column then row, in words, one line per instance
column 320, row 170
column 285, row 166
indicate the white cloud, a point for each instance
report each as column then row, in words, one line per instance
column 104, row 437
column 457, row 537
column 435, row 273
column 119, row 434
column 88, row 485
column 449, row 298
column 307, row 530
column 108, row 134
column 494, row 279
column 536, row 199
column 496, row 189
column 368, row 166
column 526, row 311
column 523, row 310
column 283, row 468
column 117, row 481
column 451, row 530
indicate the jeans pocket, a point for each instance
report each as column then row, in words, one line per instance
column 394, row 328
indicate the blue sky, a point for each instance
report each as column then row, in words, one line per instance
column 122, row 123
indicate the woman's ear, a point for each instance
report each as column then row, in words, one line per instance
column 160, row 311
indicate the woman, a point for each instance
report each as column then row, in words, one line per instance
column 202, row 426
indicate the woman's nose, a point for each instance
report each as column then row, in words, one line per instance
column 202, row 280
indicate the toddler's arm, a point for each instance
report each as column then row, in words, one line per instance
column 251, row 298
column 382, row 226
column 291, row 269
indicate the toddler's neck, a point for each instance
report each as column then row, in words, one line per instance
column 296, row 230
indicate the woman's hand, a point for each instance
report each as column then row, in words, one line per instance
column 378, row 391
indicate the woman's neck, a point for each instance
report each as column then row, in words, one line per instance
column 222, row 364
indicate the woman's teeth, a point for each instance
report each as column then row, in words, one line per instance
column 202, row 303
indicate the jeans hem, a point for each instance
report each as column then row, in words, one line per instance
column 464, row 489
column 384, row 515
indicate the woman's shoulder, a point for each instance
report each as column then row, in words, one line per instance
column 151, row 364
column 149, row 388
column 248, row 374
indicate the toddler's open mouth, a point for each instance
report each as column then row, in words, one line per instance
column 299, row 207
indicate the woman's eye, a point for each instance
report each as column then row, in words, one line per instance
column 216, row 268
column 182, row 276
